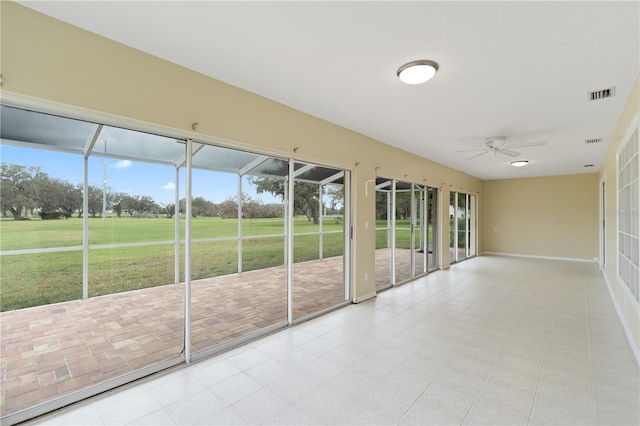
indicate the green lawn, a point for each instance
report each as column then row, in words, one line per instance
column 36, row 279
column 403, row 234
column 31, row 234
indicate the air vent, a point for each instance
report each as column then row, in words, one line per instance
column 595, row 140
column 602, row 94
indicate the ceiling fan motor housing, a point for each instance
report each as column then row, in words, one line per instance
column 496, row 142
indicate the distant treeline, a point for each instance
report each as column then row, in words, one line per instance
column 29, row 191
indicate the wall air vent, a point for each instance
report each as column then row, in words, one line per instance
column 602, row 94
column 595, row 140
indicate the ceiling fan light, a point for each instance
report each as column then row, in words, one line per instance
column 519, row 163
column 417, row 72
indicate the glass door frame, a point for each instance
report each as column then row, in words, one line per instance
column 420, row 221
column 64, row 113
column 453, row 226
column 433, row 216
column 465, row 213
column 186, row 165
column 394, row 201
column 429, row 216
column 471, row 226
column 290, row 242
column 387, row 187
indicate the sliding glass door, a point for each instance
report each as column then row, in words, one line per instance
column 238, row 275
column 384, row 233
column 453, row 227
column 90, row 259
column 125, row 252
column 432, row 227
column 403, row 227
column 319, row 240
column 406, row 231
column 420, row 231
column 462, row 226
column 471, row 226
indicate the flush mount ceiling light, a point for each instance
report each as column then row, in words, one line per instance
column 417, row 72
column 519, row 163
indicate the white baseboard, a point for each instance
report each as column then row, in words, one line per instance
column 531, row 256
column 627, row 330
column 364, row 297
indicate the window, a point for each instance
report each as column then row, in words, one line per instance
column 628, row 218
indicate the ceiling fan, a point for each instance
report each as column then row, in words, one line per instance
column 498, row 145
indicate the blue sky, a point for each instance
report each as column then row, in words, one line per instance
column 135, row 178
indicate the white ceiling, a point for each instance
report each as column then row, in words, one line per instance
column 518, row 69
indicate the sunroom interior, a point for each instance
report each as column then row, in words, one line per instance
column 114, row 293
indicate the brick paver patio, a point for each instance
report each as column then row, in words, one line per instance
column 403, row 266
column 52, row 350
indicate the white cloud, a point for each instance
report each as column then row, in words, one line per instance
column 169, row 186
column 123, row 164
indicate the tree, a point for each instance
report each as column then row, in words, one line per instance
column 251, row 208
column 228, row 208
column 19, row 188
column 95, row 201
column 117, row 202
column 335, row 193
column 202, row 207
column 169, row 210
column 272, row 210
column 382, row 202
column 139, row 205
column 72, row 198
column 305, row 195
column 403, row 204
column 54, row 195
column 58, row 195
column 147, row 205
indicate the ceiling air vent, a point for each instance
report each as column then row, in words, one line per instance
column 602, row 94
column 595, row 140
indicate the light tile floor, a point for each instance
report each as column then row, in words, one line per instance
column 493, row 340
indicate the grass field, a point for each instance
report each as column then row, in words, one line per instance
column 403, row 235
column 30, row 234
column 43, row 278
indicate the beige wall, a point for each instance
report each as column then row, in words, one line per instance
column 53, row 62
column 550, row 216
column 628, row 306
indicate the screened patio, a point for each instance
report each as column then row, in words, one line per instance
column 124, row 293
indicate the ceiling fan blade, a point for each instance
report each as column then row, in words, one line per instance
column 471, row 150
column 478, row 155
column 526, row 144
column 509, row 152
